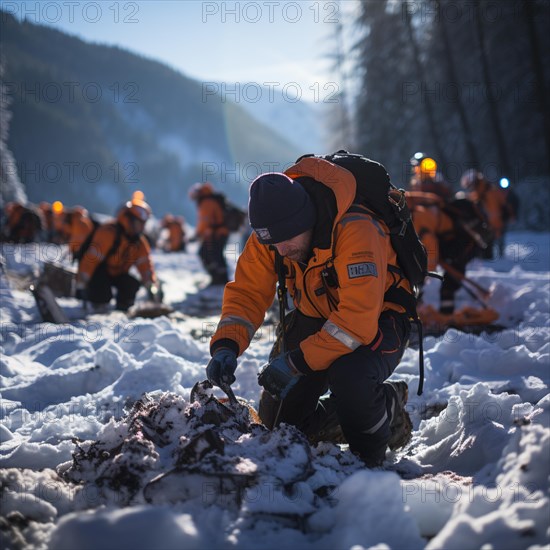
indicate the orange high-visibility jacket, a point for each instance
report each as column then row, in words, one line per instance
column 432, row 224
column 76, row 229
column 423, row 198
column 14, row 212
column 360, row 252
column 176, row 235
column 429, row 185
column 210, row 218
column 129, row 253
column 23, row 222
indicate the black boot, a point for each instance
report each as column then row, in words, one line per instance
column 400, row 423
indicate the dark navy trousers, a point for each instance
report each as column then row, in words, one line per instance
column 359, row 401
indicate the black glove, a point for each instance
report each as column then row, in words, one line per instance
column 279, row 376
column 221, row 368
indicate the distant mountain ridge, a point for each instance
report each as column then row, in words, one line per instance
column 91, row 123
column 302, row 123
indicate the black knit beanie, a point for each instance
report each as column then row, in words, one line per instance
column 279, row 208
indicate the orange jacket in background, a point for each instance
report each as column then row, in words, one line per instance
column 432, row 224
column 129, row 253
column 176, row 233
column 210, row 218
column 423, row 198
column 76, row 228
column 431, row 186
column 23, row 223
column 362, row 254
column 14, row 212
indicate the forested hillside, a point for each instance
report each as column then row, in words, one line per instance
column 91, row 123
column 464, row 81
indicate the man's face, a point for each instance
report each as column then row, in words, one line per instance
column 136, row 226
column 296, row 249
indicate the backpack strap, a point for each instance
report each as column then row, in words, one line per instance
column 79, row 254
column 116, row 243
column 418, row 324
column 281, row 295
column 399, row 295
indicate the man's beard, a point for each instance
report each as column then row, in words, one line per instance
column 299, row 255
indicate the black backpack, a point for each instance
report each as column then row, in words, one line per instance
column 380, row 196
column 233, row 216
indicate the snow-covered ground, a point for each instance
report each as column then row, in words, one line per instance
column 89, row 461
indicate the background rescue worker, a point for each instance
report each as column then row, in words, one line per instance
column 444, row 241
column 425, row 178
column 342, row 335
column 491, row 199
column 116, row 247
column 23, row 224
column 175, row 229
column 211, row 232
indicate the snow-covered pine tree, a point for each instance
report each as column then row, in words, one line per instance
column 11, row 188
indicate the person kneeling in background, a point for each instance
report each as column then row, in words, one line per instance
column 116, row 247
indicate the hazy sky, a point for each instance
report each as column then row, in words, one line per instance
column 260, row 42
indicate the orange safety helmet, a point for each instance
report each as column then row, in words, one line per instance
column 139, row 209
column 57, row 207
column 134, row 210
column 138, row 195
column 424, row 166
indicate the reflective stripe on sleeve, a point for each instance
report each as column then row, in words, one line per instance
column 340, row 335
column 362, row 216
column 235, row 320
column 349, row 219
